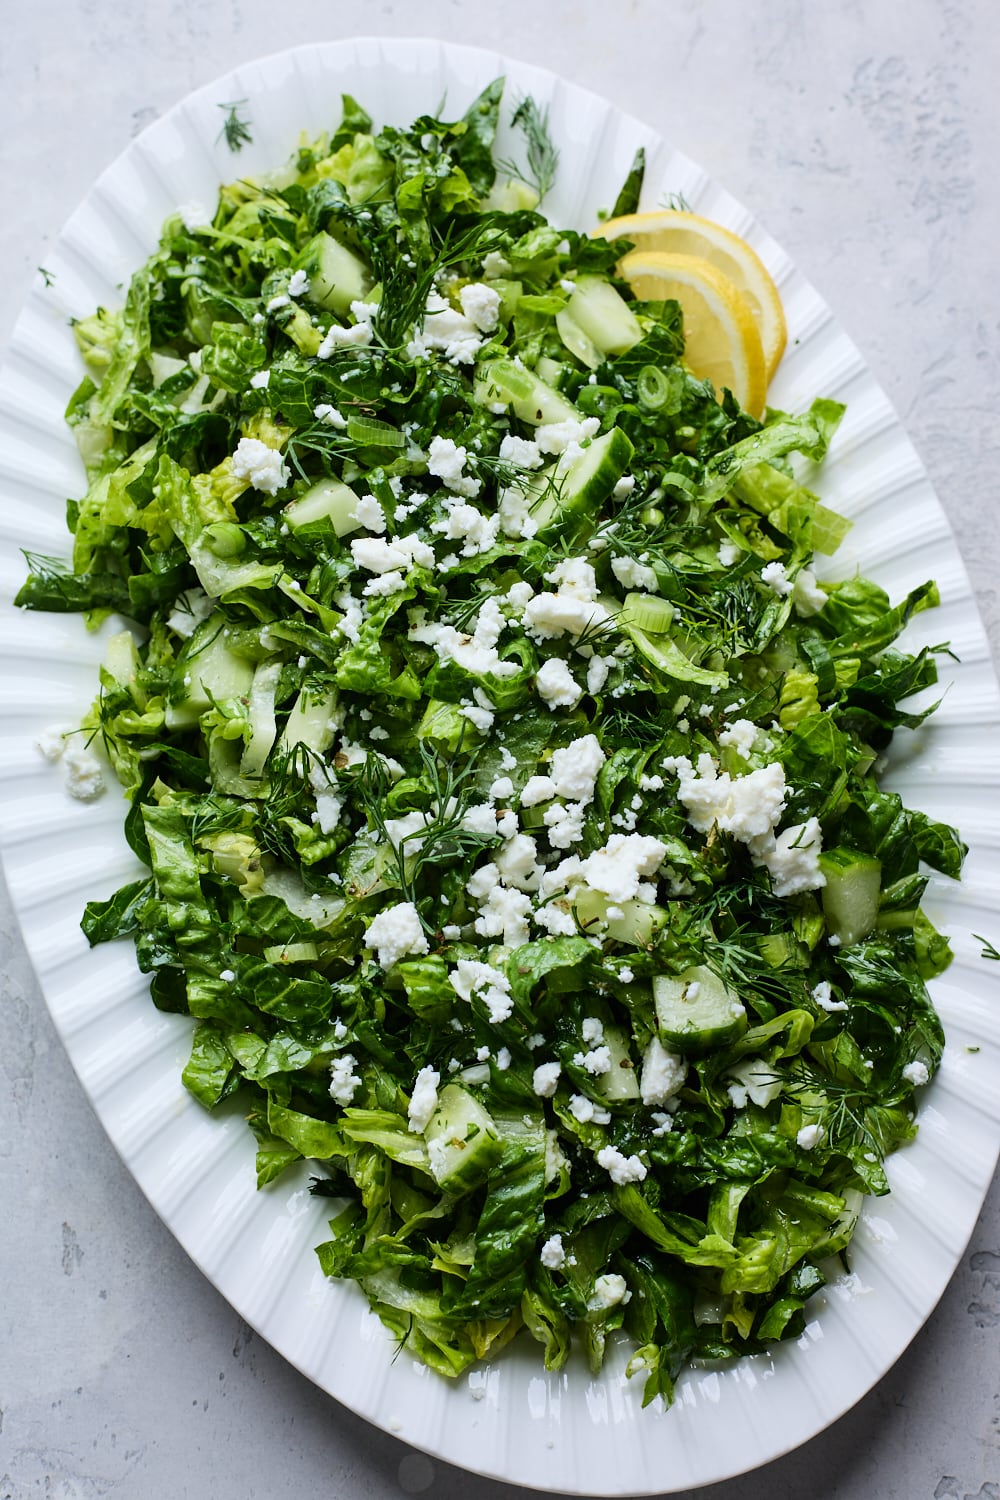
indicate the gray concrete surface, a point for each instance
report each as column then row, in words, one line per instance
column 863, row 133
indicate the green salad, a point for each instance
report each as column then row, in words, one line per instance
column 505, row 778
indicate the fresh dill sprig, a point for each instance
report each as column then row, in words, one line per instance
column 235, row 129
column 675, row 201
column 989, row 949
column 442, row 839
column 543, row 157
column 47, row 276
column 406, row 284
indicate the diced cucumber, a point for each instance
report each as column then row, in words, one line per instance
column 122, row 661
column 638, row 923
column 621, row 1081
column 292, row 953
column 260, row 712
column 327, row 500
column 850, row 896
column 578, row 493
column 337, row 277
column 603, row 315
column 502, row 383
column 696, row 1012
column 462, row 1140
column 206, row 671
column 576, row 341
column 310, row 722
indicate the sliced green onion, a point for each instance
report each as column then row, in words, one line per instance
column 653, row 388
column 374, row 434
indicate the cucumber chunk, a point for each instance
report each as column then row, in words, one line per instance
column 206, row 672
column 850, row 896
column 328, row 500
column 502, row 383
column 621, row 1081
column 462, row 1140
column 696, row 1012
column 603, row 315
column 337, row 277
column 577, row 494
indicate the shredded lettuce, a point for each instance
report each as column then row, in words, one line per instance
column 454, row 751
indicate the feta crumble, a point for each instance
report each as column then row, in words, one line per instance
column 396, row 932
column 264, row 467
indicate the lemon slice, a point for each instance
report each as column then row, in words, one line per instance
column 721, row 340
column 680, row 233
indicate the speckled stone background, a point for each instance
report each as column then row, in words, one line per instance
column 864, row 134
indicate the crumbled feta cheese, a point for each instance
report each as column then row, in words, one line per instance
column 745, row 806
column 518, row 863
column 626, row 976
column 775, row 575
column 792, row 859
column 617, row 869
column 564, row 824
column 597, row 672
column 423, row 1099
column 446, row 460
column 384, row 584
column 480, row 819
column 809, row 1137
column 481, row 305
column 609, row 1290
column 545, row 1079
column 502, row 789
column 260, row 379
column 592, row 1030
column 552, row 1254
column 555, row 437
column 596, row 1062
column 621, row 1169
column 623, row 488
column 807, row 596
column 329, row 415
column 728, row 553
column 503, row 1059
column 504, row 914
column 537, row 789
column 663, row 1073
column 298, row 286
column 471, row 977
column 587, row 1112
column 227, row 976
column 556, row 919
column 395, row 932
column 397, row 555
column 263, row 466
column 822, row 996
column 495, row 264
column 446, row 329
column 574, row 770
column 52, row 741
column 739, row 736
column 475, row 653
column 344, row 1082
column 278, row 302
column 663, row 1122
column 634, row 575
column 369, row 514
column 916, row 1073
column 84, row 776
column 514, row 512
column 476, row 531
column 555, row 685
column 355, row 335
column 520, row 451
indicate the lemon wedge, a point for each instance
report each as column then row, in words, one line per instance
column 721, row 339
column 677, row 232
